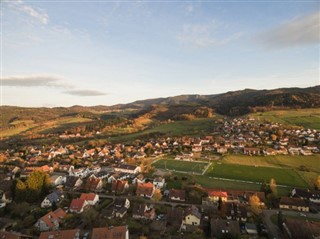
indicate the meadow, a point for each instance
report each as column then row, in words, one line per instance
column 185, row 166
column 308, row 118
column 312, row 162
column 283, row 176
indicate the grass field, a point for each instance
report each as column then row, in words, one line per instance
column 198, row 127
column 196, row 167
column 283, row 176
column 288, row 161
column 308, row 118
column 208, row 182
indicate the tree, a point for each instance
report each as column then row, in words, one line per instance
column 157, row 195
column 219, row 203
column 20, row 191
column 264, row 188
column 273, row 187
column 254, row 202
column 317, row 184
column 88, row 217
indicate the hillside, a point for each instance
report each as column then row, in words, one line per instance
column 144, row 114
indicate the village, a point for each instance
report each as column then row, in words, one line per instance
column 120, row 191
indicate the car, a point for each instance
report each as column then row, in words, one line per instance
column 302, row 215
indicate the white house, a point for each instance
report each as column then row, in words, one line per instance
column 53, row 197
column 159, row 182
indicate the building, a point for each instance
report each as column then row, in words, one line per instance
column 177, row 195
column 215, row 196
column 159, row 182
column 145, row 190
column 120, row 232
column 143, row 211
column 91, row 198
column 63, row 234
column 52, row 198
column 51, row 221
column 296, row 204
column 221, row 228
column 78, row 205
column 192, row 216
column 126, row 168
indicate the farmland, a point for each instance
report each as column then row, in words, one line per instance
column 283, row 176
column 308, row 118
column 185, row 166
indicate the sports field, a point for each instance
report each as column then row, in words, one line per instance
column 283, row 176
column 183, row 166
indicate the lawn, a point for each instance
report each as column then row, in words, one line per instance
column 308, row 118
column 186, row 166
column 288, row 161
column 283, row 176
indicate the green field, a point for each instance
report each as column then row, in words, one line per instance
column 197, row 127
column 185, row 166
column 208, row 182
column 283, row 176
column 308, row 118
column 312, row 163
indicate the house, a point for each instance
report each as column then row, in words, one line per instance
column 119, row 186
column 78, row 205
column 53, row 197
column 139, row 179
column 121, row 202
column 145, row 190
column 222, row 149
column 251, row 151
column 251, row 228
column 126, row 168
column 159, row 182
column 50, row 221
column 191, row 216
column 73, row 182
column 119, row 232
column 296, row 204
column 215, row 196
column 91, row 198
column 143, row 211
column 93, row 184
column 58, row 179
column 121, row 205
column 13, row 235
column 306, row 194
column 177, row 195
column 236, row 211
column 221, row 228
column 63, row 234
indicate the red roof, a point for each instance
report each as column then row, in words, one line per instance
column 88, row 196
column 217, row 194
column 145, row 189
column 77, row 204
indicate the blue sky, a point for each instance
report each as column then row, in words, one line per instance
column 63, row 53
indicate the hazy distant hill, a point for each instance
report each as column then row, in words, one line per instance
column 178, row 107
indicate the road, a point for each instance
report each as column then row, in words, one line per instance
column 273, row 229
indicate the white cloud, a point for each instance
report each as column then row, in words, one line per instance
column 84, row 92
column 38, row 14
column 299, row 31
column 204, row 35
column 34, row 80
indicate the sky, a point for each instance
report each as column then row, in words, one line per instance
column 64, row 53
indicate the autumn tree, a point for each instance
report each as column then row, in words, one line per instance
column 317, row 183
column 157, row 195
column 273, row 186
column 254, row 202
column 20, row 191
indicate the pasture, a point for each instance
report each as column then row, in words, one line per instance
column 183, row 166
column 283, row 176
